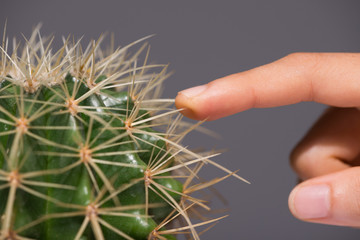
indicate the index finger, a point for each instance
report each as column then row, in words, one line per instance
column 329, row 78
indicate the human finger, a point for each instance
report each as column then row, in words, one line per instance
column 331, row 145
column 329, row 78
column 330, row 199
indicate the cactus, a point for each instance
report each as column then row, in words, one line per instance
column 88, row 150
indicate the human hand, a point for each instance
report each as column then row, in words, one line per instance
column 327, row 159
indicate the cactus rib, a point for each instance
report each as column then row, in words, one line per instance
column 89, row 150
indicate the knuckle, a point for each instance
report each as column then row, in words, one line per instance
column 303, row 160
column 295, row 157
column 306, row 65
column 306, row 62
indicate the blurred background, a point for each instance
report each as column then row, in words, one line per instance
column 204, row 40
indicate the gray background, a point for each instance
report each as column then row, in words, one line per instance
column 204, row 40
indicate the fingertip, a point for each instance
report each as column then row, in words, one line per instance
column 330, row 199
column 186, row 104
column 217, row 99
column 309, row 202
column 291, row 201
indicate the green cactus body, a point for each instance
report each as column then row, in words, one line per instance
column 82, row 153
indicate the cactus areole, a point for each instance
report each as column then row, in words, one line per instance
column 88, row 150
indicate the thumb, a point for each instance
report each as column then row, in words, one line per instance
column 331, row 199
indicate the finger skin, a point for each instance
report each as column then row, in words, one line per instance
column 329, row 78
column 331, row 145
column 325, row 159
column 343, row 208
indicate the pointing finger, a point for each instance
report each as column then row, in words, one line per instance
column 329, row 78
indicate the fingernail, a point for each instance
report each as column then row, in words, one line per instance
column 194, row 91
column 311, row 202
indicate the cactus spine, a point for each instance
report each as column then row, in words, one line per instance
column 88, row 150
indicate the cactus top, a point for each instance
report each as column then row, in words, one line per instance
column 89, row 150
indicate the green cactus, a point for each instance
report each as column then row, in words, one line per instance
column 83, row 150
